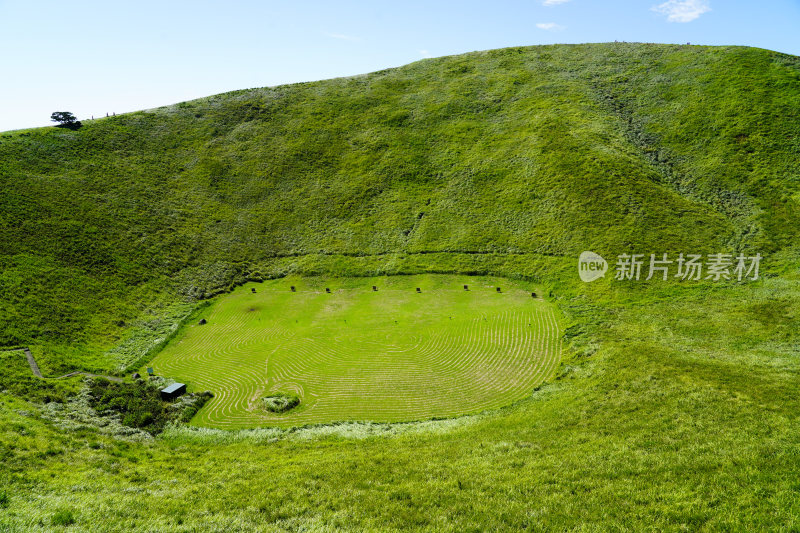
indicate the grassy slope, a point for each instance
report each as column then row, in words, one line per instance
column 547, row 150
column 678, row 408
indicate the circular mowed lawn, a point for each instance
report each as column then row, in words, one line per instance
column 389, row 355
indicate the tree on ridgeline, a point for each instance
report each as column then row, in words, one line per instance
column 65, row 119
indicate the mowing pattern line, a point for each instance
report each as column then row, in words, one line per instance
column 364, row 367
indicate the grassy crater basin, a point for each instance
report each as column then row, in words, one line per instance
column 418, row 347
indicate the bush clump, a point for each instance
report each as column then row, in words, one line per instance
column 280, row 403
column 63, row 517
column 187, row 409
column 139, row 404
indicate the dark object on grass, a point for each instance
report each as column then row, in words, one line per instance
column 533, row 295
column 419, row 290
column 498, row 289
column 149, row 370
column 327, row 289
column 253, row 290
column 293, row 289
column 374, row 288
column 202, row 321
column 135, row 375
column 466, row 287
column 173, row 391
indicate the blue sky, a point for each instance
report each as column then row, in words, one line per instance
column 92, row 57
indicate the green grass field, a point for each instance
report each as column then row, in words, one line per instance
column 357, row 354
column 675, row 406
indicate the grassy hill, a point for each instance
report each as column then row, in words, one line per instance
column 674, row 409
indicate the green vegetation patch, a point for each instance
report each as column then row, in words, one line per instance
column 280, row 403
column 139, row 404
column 63, row 517
column 16, row 377
column 386, row 355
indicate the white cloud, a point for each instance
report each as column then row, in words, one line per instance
column 342, row 37
column 550, row 26
column 682, row 10
column 553, row 2
column 424, row 53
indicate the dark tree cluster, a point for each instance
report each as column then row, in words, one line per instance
column 65, row 119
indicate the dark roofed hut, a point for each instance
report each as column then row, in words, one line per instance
column 173, row 391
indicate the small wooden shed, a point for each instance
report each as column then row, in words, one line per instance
column 173, row 391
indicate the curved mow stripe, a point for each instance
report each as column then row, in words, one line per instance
column 470, row 366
